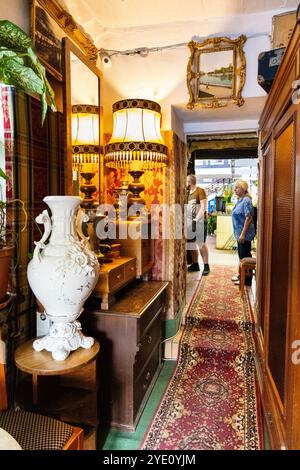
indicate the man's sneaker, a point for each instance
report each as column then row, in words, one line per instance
column 235, row 278
column 194, row 267
column 206, row 270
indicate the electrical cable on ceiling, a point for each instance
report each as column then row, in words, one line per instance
column 106, row 54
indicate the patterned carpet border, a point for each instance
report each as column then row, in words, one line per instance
column 212, row 400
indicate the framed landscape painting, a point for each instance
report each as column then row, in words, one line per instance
column 216, row 72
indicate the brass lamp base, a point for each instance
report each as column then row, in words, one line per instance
column 136, row 187
column 88, row 188
column 135, row 201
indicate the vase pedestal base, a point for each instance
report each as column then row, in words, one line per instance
column 62, row 339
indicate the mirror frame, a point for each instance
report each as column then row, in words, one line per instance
column 68, row 48
column 67, row 25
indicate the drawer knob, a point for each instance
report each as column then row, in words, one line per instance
column 119, row 276
column 148, row 375
column 149, row 339
column 132, row 268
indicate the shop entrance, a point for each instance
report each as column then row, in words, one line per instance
column 218, row 162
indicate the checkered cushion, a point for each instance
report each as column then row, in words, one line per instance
column 35, row 432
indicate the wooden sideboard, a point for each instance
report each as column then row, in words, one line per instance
column 113, row 276
column 131, row 335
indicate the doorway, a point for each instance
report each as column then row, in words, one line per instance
column 218, row 161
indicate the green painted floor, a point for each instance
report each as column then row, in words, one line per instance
column 117, row 440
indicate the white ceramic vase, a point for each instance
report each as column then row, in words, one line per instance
column 62, row 274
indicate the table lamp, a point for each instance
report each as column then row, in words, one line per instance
column 136, row 143
column 85, row 148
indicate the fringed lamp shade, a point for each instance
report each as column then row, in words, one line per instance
column 136, row 143
column 85, row 137
column 85, row 148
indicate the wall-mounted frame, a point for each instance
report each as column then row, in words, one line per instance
column 216, row 72
column 49, row 24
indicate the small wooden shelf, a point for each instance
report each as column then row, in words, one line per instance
column 113, row 277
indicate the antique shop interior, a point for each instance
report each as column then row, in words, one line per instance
column 122, row 124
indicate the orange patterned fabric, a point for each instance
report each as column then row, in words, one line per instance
column 212, row 401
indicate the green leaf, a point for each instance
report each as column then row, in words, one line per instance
column 24, row 78
column 41, row 72
column 3, row 175
column 7, row 53
column 13, row 37
column 44, row 107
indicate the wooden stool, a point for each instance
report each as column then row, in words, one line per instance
column 247, row 266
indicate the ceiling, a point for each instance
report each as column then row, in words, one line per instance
column 251, row 110
column 141, row 21
column 102, row 15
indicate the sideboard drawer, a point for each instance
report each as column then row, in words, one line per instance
column 130, row 270
column 152, row 311
column 116, row 277
column 144, row 382
column 148, row 342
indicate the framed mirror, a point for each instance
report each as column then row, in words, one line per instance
column 84, row 129
column 216, row 72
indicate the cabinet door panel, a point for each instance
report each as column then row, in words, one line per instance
column 282, row 216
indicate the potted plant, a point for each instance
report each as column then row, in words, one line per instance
column 21, row 68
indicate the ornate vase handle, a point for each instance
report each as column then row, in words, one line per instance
column 81, row 218
column 42, row 218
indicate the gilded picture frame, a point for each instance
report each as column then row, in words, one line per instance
column 216, row 72
column 49, row 24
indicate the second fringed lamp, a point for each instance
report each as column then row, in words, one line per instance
column 136, row 143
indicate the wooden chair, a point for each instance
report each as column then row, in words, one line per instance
column 247, row 267
column 32, row 430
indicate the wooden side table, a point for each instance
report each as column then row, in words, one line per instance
column 71, row 396
column 41, row 363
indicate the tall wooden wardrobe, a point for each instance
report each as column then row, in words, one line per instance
column 278, row 257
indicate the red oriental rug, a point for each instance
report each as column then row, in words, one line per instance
column 212, row 401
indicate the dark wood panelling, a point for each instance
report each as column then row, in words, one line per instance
column 280, row 255
column 278, row 298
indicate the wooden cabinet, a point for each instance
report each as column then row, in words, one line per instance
column 113, row 276
column 278, row 257
column 135, row 239
column 131, row 335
